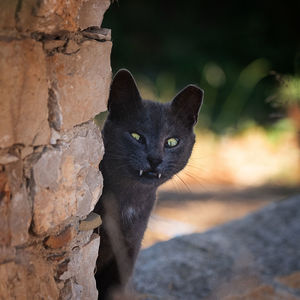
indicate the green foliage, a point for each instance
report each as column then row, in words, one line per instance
column 227, row 48
column 275, row 132
column 289, row 92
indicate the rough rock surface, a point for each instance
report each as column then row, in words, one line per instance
column 72, row 87
column 67, row 178
column 257, row 257
column 24, row 94
column 51, row 16
column 81, row 267
column 27, row 278
column 54, row 78
column 89, row 67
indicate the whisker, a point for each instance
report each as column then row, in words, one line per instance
column 175, row 184
column 183, row 182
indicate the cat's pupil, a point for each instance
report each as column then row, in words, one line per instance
column 172, row 142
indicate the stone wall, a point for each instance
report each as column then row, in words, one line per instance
column 54, row 78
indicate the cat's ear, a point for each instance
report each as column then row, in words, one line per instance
column 124, row 96
column 187, row 103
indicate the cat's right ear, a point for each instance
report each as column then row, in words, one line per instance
column 124, row 97
column 187, row 103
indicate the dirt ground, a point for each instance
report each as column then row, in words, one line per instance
column 197, row 208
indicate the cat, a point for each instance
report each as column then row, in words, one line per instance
column 146, row 143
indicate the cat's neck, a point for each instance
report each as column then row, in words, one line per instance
column 129, row 199
column 125, row 187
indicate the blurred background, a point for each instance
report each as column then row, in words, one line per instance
column 246, row 57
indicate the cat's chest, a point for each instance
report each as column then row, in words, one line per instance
column 137, row 211
column 130, row 214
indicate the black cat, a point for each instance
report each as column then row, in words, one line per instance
column 146, row 143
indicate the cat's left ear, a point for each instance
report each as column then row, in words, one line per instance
column 124, row 97
column 187, row 103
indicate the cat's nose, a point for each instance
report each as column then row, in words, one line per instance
column 154, row 161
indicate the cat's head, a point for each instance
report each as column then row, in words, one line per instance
column 147, row 141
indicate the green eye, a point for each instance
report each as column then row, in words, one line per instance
column 172, row 142
column 136, row 136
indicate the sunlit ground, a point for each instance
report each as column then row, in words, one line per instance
column 227, row 177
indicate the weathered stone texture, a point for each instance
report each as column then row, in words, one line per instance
column 20, row 218
column 62, row 239
column 67, row 177
column 7, row 15
column 54, row 78
column 71, row 290
column 81, row 267
column 6, row 158
column 30, row 278
column 48, row 16
column 51, row 15
column 15, row 210
column 24, row 94
column 4, row 210
column 91, row 13
column 7, row 254
column 90, row 69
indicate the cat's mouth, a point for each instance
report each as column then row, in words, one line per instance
column 149, row 174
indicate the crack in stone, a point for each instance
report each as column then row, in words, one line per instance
column 54, row 110
column 60, row 41
column 90, row 33
column 17, row 18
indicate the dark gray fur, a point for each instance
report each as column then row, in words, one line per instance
column 128, row 197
